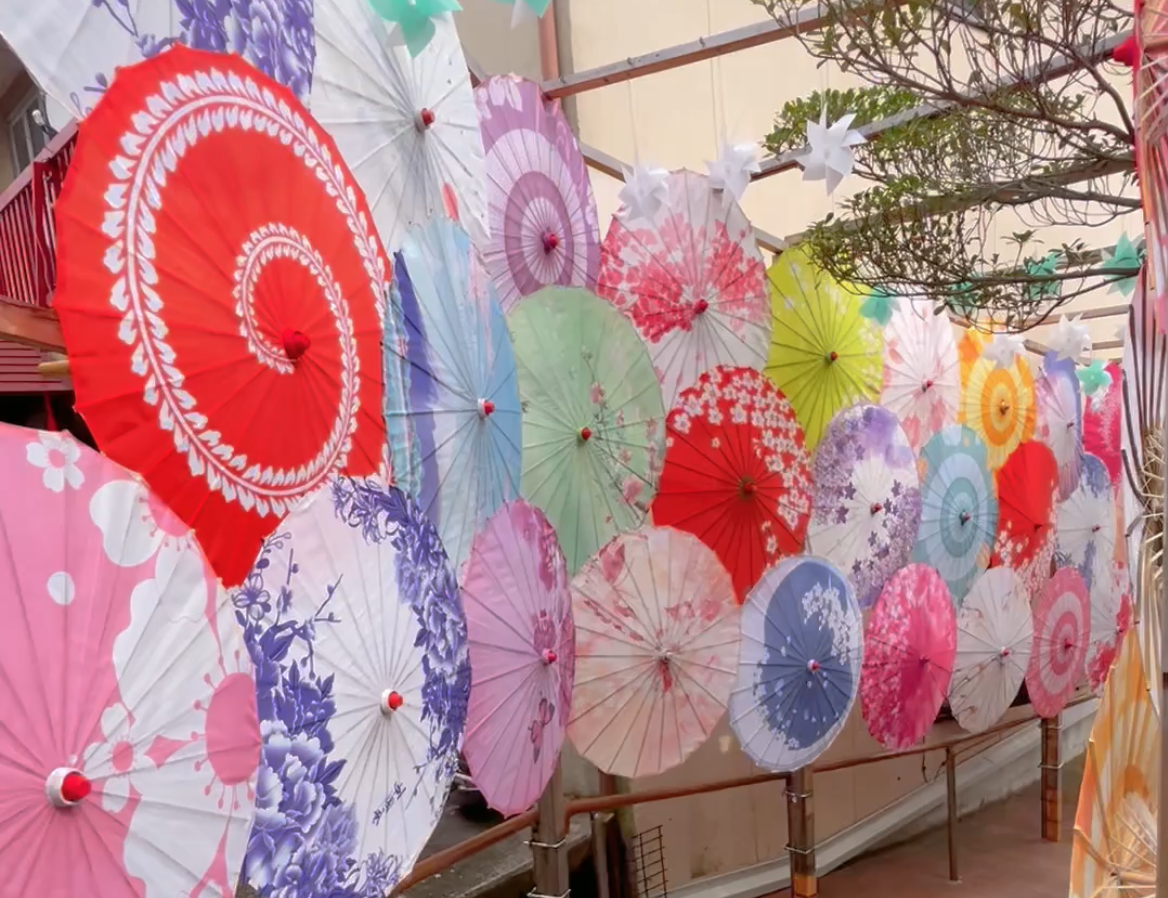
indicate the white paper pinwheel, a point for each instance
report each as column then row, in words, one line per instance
column 644, row 192
column 730, row 173
column 828, row 156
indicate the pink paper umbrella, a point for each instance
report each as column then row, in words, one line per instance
column 542, row 215
column 522, row 656
column 130, row 742
column 1062, row 635
column 909, row 648
column 1102, row 417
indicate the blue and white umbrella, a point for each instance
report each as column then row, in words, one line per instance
column 959, row 508
column 353, row 620
column 451, row 397
column 1085, row 524
column 799, row 664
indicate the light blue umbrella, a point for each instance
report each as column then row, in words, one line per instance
column 799, row 663
column 451, row 399
column 959, row 508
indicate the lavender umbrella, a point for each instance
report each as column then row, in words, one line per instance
column 542, row 215
column 867, row 498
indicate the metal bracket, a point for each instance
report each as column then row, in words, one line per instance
column 802, row 852
column 798, row 796
column 535, row 894
column 533, row 843
column 1058, row 766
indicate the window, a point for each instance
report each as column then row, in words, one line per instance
column 26, row 137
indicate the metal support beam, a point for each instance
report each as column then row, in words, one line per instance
column 951, row 807
column 549, row 844
column 1051, row 780
column 801, row 834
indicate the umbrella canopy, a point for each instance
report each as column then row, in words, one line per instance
column 1027, row 484
column 825, row 355
column 1111, row 619
column 922, row 383
column 1102, row 416
column 406, row 125
column 867, row 504
column 1062, row 633
column 354, row 621
column 1085, row 524
column 73, row 50
column 522, row 653
column 959, row 508
column 692, row 281
column 201, row 319
column 126, row 692
column 736, row 473
column 799, row 667
column 909, row 647
column 541, row 212
column 451, row 396
column 656, row 651
column 996, row 403
column 1060, row 418
column 593, row 423
column 1114, row 851
column 995, row 635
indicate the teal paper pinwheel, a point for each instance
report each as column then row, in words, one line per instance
column 1045, row 268
column 414, row 19
column 1094, row 377
column 1127, row 255
column 879, row 307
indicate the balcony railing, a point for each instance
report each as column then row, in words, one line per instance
column 28, row 236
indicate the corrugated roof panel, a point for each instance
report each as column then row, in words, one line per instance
column 18, row 372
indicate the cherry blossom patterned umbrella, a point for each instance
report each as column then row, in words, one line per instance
column 1111, row 619
column 200, row 318
column 909, row 648
column 522, row 654
column 799, row 667
column 959, row 508
column 353, row 617
column 691, row 280
column 73, row 50
column 1060, row 418
column 657, row 634
column 736, row 473
column 406, row 125
column 1085, row 524
column 922, row 383
column 1062, row 633
column 130, row 744
column 995, row 635
column 1027, row 484
column 867, row 498
column 541, row 213
column 1102, row 417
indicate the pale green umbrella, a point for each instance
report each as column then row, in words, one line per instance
column 593, row 421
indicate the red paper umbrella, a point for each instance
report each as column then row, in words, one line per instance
column 221, row 289
column 736, row 473
column 1027, row 484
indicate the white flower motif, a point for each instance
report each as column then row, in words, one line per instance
column 58, row 456
column 114, row 763
column 135, row 525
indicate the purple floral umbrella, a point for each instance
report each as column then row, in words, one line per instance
column 867, row 506
column 542, row 215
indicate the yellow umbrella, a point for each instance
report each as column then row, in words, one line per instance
column 996, row 403
column 824, row 355
column 1114, row 852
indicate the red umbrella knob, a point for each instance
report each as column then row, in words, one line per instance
column 296, row 343
column 1125, row 53
column 966, row 517
column 65, row 787
column 486, row 408
column 550, row 242
column 549, row 657
column 391, row 700
column 700, row 307
column 833, row 356
column 1096, row 528
column 746, row 487
column 876, row 508
column 926, row 386
column 1070, row 424
column 585, row 434
column 1068, row 643
column 425, row 119
column 813, row 665
column 1003, row 407
column 1004, row 653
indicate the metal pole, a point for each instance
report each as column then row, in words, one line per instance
column 600, row 853
column 801, row 834
column 951, row 803
column 549, row 848
column 1051, row 780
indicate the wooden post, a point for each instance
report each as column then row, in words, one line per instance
column 549, row 847
column 801, row 834
column 1051, row 776
column 951, row 807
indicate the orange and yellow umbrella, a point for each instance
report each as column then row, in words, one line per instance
column 1114, row 853
column 996, row 403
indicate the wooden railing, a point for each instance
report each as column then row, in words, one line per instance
column 28, row 237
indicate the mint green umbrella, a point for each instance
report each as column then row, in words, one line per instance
column 593, row 422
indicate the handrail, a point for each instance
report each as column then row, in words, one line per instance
column 448, row 857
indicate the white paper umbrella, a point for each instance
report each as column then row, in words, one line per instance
column 922, row 380
column 1111, row 618
column 994, row 637
column 407, row 127
column 354, row 620
column 1085, row 523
